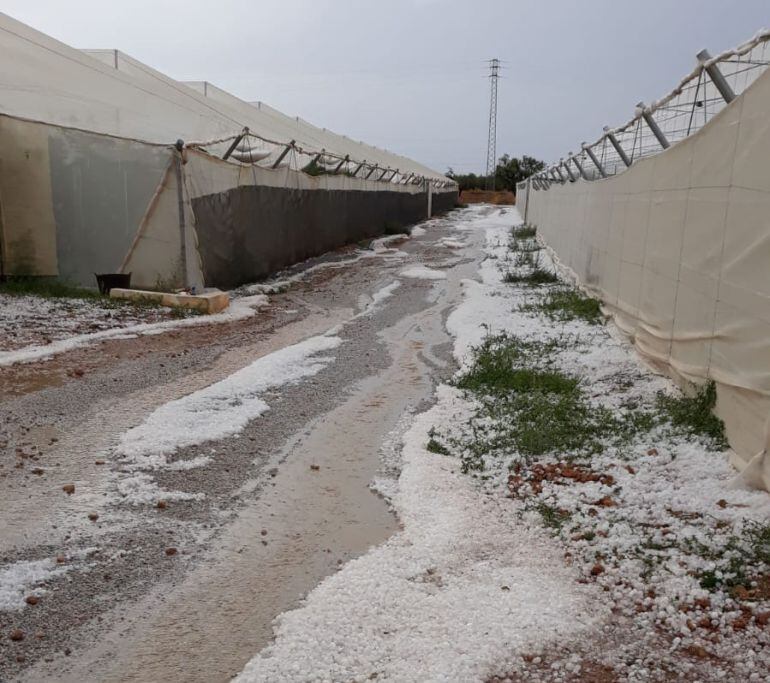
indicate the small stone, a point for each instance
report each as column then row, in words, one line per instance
column 16, row 635
column 170, row 552
column 263, row 532
column 630, row 469
column 67, row 651
column 78, row 372
column 722, row 503
column 696, row 651
column 505, row 588
column 98, row 462
column 742, row 621
column 605, row 502
column 60, row 559
column 652, row 451
column 762, row 618
column 21, row 659
column 597, row 569
column 93, row 516
column 741, row 593
column 315, row 468
column 69, row 489
column 32, row 599
column 161, row 505
column 40, row 635
column 38, row 471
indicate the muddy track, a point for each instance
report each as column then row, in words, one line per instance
column 188, row 590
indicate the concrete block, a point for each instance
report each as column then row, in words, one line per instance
column 210, row 301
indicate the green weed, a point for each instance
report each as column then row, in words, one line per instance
column 553, row 517
column 568, row 304
column 46, row 287
column 523, row 231
column 539, row 276
column 694, row 414
column 535, row 408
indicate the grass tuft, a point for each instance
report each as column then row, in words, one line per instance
column 535, row 408
column 46, row 287
column 694, row 414
column 523, row 231
column 539, row 276
column 553, row 517
column 568, row 304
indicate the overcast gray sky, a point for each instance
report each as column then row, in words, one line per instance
column 409, row 75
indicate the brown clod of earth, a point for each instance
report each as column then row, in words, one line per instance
column 315, row 467
column 69, row 489
column 93, row 516
column 556, row 472
column 697, row 651
column 605, row 502
column 16, row 635
column 32, row 599
column 161, row 505
column 171, row 551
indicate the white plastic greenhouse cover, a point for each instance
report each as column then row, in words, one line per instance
column 107, row 92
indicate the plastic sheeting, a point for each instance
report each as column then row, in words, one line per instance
column 243, row 223
column 107, row 92
column 90, row 179
column 678, row 249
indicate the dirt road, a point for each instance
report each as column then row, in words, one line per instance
column 175, row 570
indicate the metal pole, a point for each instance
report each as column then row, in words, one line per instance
column 717, row 77
column 180, row 206
column 358, row 168
column 374, row 168
column 236, row 142
column 614, row 142
column 339, row 165
column 593, row 158
column 572, row 178
column 526, row 202
column 557, row 168
column 579, row 165
column 653, row 125
column 384, row 173
column 283, row 154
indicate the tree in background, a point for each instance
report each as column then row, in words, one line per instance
column 509, row 172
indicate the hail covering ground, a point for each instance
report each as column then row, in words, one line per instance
column 474, row 585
